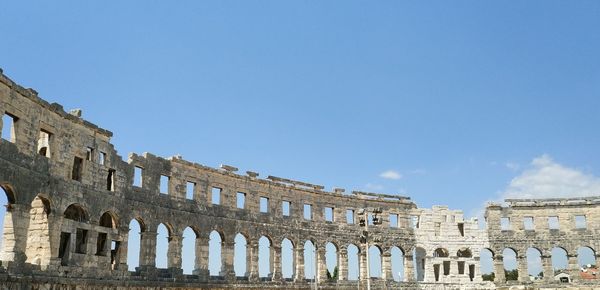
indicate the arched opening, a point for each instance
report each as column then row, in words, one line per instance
column 265, row 257
column 586, row 257
column 397, row 256
column 133, row 244
column 374, row 262
column 510, row 264
column 7, row 233
column 464, row 253
column 309, row 260
column 440, row 253
column 38, row 237
column 214, row 253
column 331, row 260
column 419, row 256
column 353, row 263
column 560, row 261
column 188, row 250
column 76, row 212
column 108, row 220
column 287, row 259
column 534, row 263
column 486, row 264
column 240, row 256
column 162, row 246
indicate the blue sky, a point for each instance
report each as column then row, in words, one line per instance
column 458, row 102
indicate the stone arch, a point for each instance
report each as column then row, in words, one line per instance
column 510, row 261
column 441, row 253
column 76, row 212
column 240, row 255
column 164, row 233
column 586, row 256
column 38, row 250
column 9, row 192
column 375, row 261
column 534, row 262
column 464, row 253
column 265, row 256
column 332, row 260
column 287, row 258
column 134, row 240
column 215, row 250
column 397, row 263
column 353, row 262
column 560, row 258
column 190, row 236
column 486, row 264
column 109, row 220
column 419, row 260
column 310, row 259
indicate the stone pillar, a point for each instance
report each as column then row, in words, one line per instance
column 276, row 253
column 252, row 259
column 597, row 260
column 428, row 275
column 201, row 262
column 227, row 271
column 148, row 249
column 409, row 269
column 362, row 257
column 522, row 269
column 454, row 266
column 573, row 267
column 343, row 264
column 547, row 268
column 499, row 269
column 16, row 225
column 122, row 251
column 174, row 252
column 299, row 276
column 321, row 265
column 386, row 266
column 477, row 271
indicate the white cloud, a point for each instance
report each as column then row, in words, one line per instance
column 512, row 166
column 391, row 174
column 545, row 178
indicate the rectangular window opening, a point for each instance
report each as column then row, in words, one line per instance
column 528, row 223
column 580, row 222
column 437, row 228
column 461, row 229
column 189, row 190
column 307, row 211
column 350, row 216
column 102, row 158
column 393, row 220
column 89, row 153
column 77, row 168
column 101, row 244
column 505, row 223
column 415, row 221
column 286, row 207
column 264, row 204
column 553, row 223
column 461, row 267
column 137, row 176
column 216, row 195
column 65, row 239
column 8, row 128
column 44, row 143
column 110, row 180
column 81, row 241
column 328, row 212
column 164, row 184
column 241, row 200
column 446, row 268
column 370, row 219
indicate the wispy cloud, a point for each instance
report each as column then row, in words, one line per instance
column 512, row 165
column 391, row 174
column 544, row 178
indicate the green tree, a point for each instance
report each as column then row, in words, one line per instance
column 488, row 277
column 511, row 275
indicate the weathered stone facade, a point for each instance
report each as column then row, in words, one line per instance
column 72, row 197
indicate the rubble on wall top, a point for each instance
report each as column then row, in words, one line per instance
column 372, row 195
column 295, row 183
column 553, row 201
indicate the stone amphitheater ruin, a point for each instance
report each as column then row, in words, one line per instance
column 72, row 198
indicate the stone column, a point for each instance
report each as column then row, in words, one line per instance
column 227, row 271
column 428, row 275
column 252, row 259
column 409, row 269
column 321, row 265
column 148, row 249
column 174, row 252
column 16, row 225
column 499, row 269
column 547, row 267
column 343, row 264
column 362, row 257
column 201, row 262
column 477, row 271
column 573, row 267
column 386, row 266
column 122, row 251
column 522, row 269
column 276, row 253
column 299, row 276
column 454, row 266
column 597, row 260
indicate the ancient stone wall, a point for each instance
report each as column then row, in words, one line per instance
column 71, row 199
